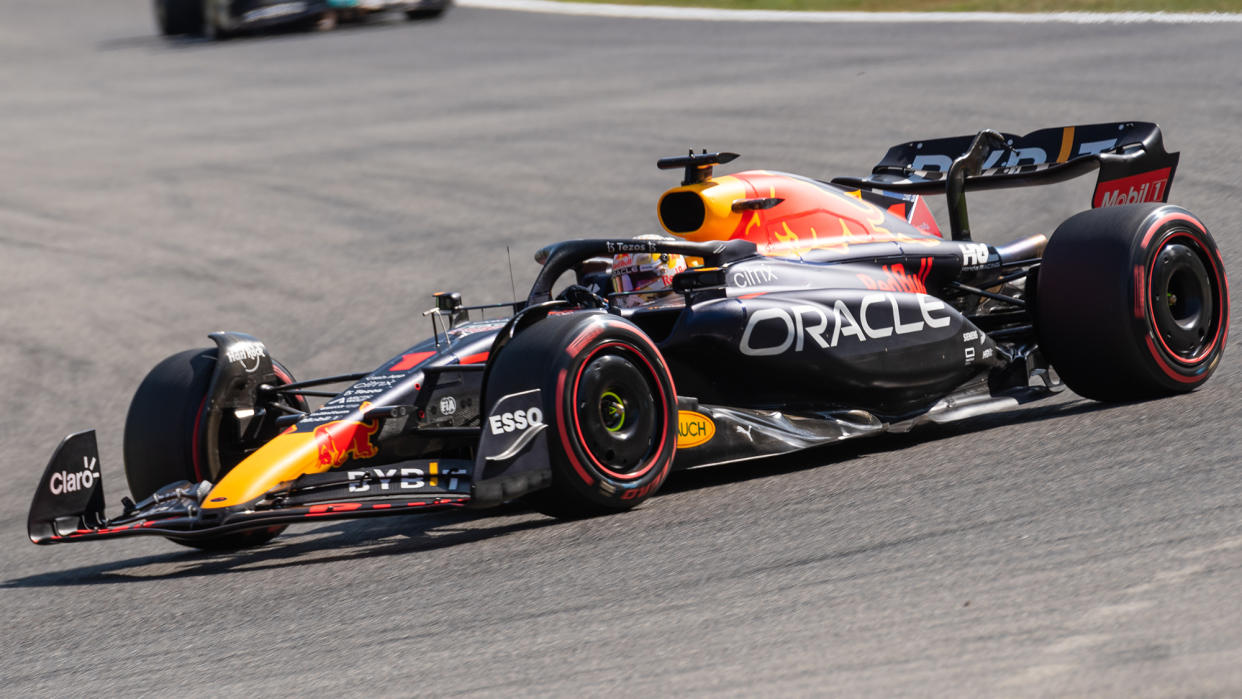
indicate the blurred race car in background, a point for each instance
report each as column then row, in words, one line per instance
column 797, row 312
column 218, row 19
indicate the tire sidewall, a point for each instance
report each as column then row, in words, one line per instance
column 586, row 472
column 1163, row 226
column 161, row 443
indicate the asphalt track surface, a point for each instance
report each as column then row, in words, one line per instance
column 315, row 189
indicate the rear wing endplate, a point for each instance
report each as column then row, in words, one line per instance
column 1133, row 163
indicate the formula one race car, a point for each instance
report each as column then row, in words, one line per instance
column 218, row 19
column 818, row 311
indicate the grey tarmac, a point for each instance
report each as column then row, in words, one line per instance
column 314, row 189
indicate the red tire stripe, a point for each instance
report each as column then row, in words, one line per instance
column 560, row 428
column 194, row 441
column 1220, row 308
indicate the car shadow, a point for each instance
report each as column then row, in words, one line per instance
column 401, row 535
column 338, row 541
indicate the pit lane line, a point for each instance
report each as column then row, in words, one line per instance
column 704, row 14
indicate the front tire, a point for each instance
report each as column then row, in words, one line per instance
column 162, row 436
column 1132, row 302
column 610, row 404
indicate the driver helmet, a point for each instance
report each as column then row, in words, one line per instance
column 647, row 272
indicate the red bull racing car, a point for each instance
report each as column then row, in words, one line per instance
column 810, row 312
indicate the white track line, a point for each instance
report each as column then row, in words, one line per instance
column 713, row 15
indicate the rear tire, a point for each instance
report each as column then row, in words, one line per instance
column 1132, row 302
column 174, row 17
column 161, row 443
column 610, row 405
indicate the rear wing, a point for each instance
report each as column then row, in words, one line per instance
column 1134, row 166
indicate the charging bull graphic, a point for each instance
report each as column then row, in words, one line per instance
column 896, row 278
column 342, row 440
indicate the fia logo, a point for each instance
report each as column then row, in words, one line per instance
column 448, row 405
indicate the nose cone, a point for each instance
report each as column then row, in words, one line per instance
column 283, row 459
column 703, row 211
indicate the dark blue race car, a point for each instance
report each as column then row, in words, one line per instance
column 217, row 19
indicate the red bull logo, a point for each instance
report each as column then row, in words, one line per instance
column 343, row 440
column 896, row 278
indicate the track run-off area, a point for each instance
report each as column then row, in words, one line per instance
column 314, row 190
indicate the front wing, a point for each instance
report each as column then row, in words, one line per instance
column 69, row 503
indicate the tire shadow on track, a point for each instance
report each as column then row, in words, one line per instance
column 393, row 536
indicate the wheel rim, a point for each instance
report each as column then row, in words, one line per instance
column 617, row 415
column 1184, row 298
